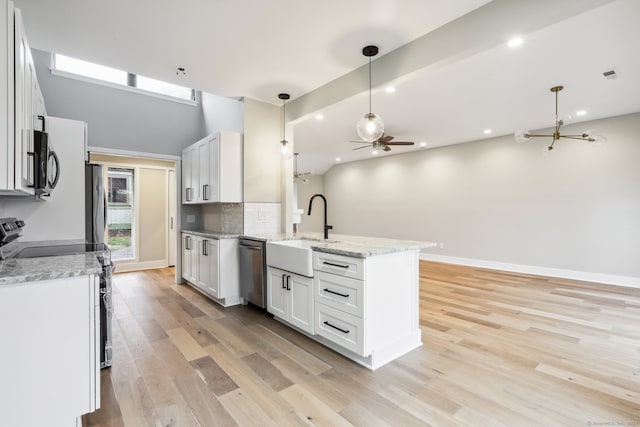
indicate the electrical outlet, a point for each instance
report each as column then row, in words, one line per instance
column 191, row 218
column 441, row 245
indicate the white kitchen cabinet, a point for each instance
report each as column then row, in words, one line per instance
column 190, row 175
column 212, row 267
column 50, row 362
column 212, row 169
column 21, row 103
column 367, row 308
column 189, row 257
column 290, row 297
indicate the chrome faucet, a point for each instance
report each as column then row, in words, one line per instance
column 327, row 227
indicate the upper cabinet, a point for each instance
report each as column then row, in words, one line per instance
column 212, row 169
column 21, row 103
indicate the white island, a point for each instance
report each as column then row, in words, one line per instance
column 357, row 295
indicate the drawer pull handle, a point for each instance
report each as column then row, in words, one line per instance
column 335, row 265
column 336, row 293
column 344, row 331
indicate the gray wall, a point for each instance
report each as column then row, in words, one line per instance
column 496, row 200
column 119, row 119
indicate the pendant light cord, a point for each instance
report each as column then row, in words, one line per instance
column 283, row 118
column 369, row 85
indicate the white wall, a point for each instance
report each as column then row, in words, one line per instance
column 222, row 113
column 315, row 221
column 262, row 157
column 499, row 201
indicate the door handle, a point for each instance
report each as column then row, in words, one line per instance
column 344, row 331
column 205, row 246
column 283, row 281
column 205, row 192
column 335, row 265
column 288, row 278
column 336, row 293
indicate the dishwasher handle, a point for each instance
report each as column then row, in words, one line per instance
column 253, row 248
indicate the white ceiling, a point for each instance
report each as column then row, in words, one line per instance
column 259, row 48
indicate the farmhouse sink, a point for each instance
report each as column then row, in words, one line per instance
column 295, row 256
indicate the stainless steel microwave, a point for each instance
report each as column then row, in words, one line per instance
column 47, row 165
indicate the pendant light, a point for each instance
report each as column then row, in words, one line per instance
column 284, row 97
column 371, row 127
column 588, row 136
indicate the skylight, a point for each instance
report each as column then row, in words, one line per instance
column 100, row 73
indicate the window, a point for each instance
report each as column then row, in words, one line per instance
column 120, row 213
column 119, row 78
column 88, row 69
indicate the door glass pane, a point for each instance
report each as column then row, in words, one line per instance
column 121, row 213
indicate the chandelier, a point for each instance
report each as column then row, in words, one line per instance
column 589, row 136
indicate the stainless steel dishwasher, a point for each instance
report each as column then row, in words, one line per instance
column 253, row 271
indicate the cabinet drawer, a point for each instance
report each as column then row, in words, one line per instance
column 343, row 293
column 339, row 327
column 339, row 264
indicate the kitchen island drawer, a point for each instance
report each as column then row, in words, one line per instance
column 343, row 293
column 339, row 264
column 339, row 327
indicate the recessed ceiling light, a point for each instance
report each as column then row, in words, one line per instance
column 423, row 144
column 319, row 116
column 515, row 42
column 374, row 152
column 581, row 112
column 337, row 159
column 389, row 89
column 487, row 131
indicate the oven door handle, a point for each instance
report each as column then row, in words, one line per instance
column 52, row 184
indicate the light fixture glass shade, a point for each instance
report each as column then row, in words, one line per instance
column 284, row 149
column 595, row 137
column 370, row 128
column 522, row 135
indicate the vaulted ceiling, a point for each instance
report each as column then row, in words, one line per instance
column 453, row 74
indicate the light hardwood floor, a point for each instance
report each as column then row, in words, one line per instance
column 499, row 349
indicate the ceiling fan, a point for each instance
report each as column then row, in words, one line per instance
column 298, row 176
column 383, row 142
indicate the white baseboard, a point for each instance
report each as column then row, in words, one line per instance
column 126, row 266
column 609, row 279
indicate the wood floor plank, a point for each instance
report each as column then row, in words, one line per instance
column 186, row 344
column 213, row 376
column 207, row 410
column 311, row 408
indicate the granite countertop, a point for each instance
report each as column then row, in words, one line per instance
column 21, row 270
column 212, row 234
column 353, row 246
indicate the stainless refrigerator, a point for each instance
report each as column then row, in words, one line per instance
column 95, row 204
column 95, row 227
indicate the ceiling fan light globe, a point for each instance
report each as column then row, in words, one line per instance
column 370, row 128
column 522, row 135
column 595, row 137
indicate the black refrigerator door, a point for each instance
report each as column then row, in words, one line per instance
column 95, row 204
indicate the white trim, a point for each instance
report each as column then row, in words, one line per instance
column 127, row 153
column 123, row 267
column 609, row 279
column 86, row 79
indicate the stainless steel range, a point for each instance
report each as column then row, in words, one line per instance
column 10, row 247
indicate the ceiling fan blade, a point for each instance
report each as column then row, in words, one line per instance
column 366, row 146
column 385, row 139
column 386, row 148
column 400, row 143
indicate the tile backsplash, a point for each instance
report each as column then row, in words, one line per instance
column 262, row 218
column 223, row 217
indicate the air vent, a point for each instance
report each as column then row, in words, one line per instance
column 611, row 74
